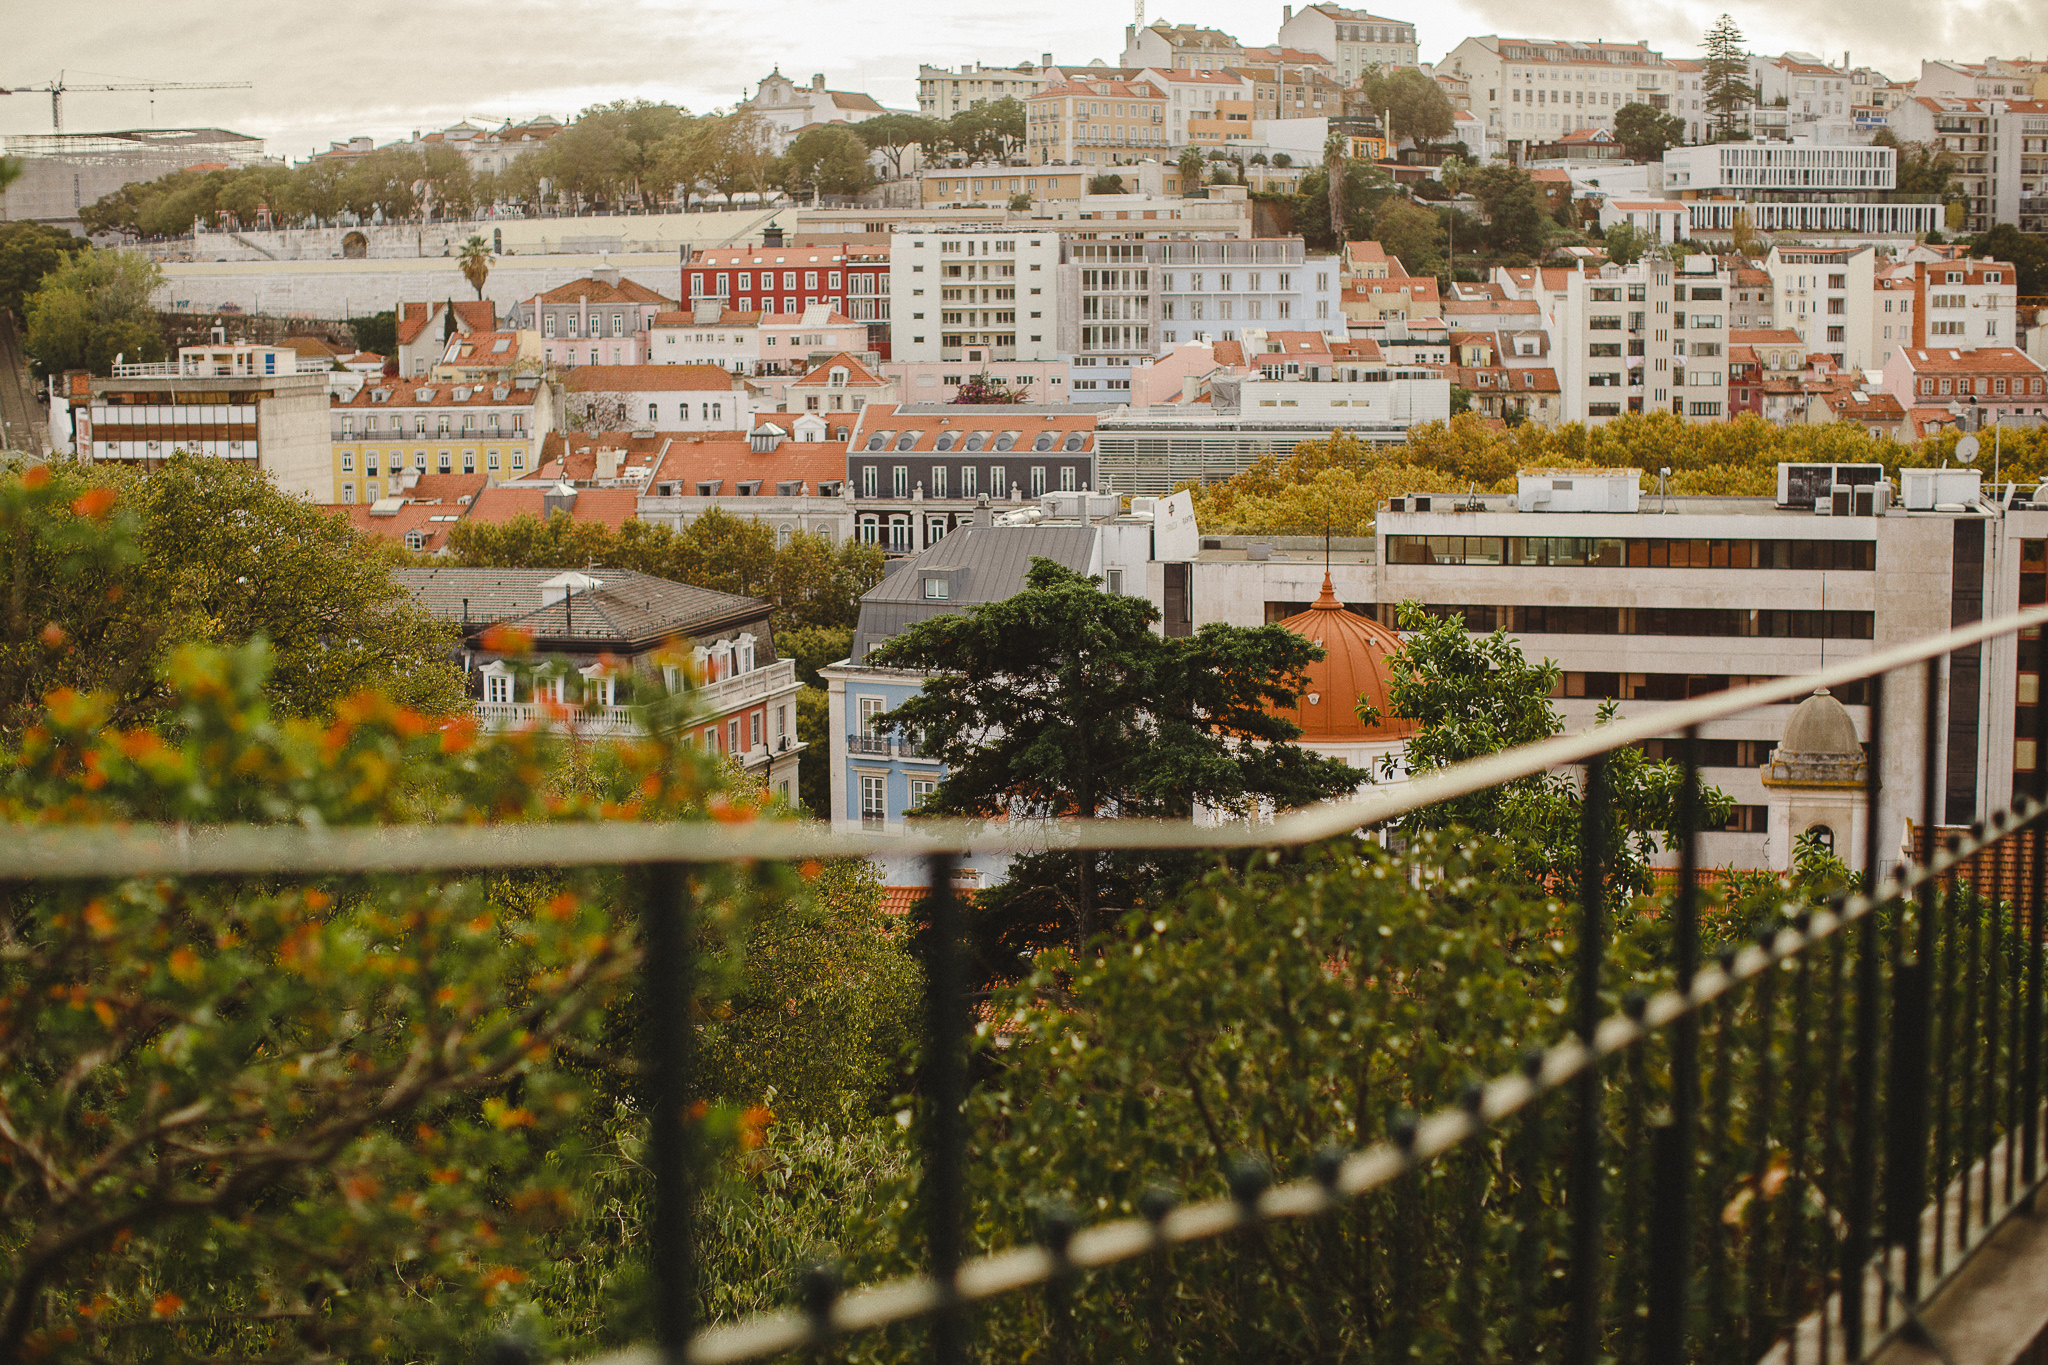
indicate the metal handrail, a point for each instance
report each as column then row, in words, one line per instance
column 1104, row 1244
column 74, row 854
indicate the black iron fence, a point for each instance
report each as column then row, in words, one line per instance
column 1788, row 1151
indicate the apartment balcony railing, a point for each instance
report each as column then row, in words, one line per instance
column 1792, row 1153
column 712, row 699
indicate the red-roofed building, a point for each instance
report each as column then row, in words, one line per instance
column 425, row 328
column 419, row 512
column 485, row 357
column 839, row 384
column 788, row 473
column 916, row 470
column 612, row 507
column 659, row 398
column 601, row 319
column 1097, row 123
column 391, row 427
column 771, row 279
column 1994, row 379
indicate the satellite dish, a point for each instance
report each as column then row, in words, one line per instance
column 1967, row 448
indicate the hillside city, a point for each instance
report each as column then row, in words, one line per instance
column 1403, row 692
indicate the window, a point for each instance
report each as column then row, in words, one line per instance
column 967, row 481
column 1113, row 582
column 1038, row 481
column 900, row 480
column 937, row 589
column 469, row 462
column 445, row 463
column 348, row 492
column 870, row 481
column 872, row 811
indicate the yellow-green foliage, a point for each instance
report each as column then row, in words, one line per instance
column 1336, row 485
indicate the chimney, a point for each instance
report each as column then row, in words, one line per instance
column 1286, row 13
column 771, row 236
column 608, row 461
column 560, row 498
column 1188, row 386
column 1044, row 60
column 706, row 310
column 982, row 515
column 818, row 81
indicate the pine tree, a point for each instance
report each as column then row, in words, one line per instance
column 1727, row 76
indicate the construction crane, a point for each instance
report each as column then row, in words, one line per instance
column 57, row 88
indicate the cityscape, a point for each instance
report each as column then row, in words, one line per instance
column 1285, row 690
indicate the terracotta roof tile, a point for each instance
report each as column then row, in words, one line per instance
column 650, row 379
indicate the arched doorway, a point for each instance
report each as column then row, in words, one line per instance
column 355, row 247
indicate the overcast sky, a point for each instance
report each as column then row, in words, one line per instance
column 385, row 67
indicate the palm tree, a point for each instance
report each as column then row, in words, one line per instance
column 1336, row 164
column 476, row 263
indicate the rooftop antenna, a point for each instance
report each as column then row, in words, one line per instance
column 1139, row 7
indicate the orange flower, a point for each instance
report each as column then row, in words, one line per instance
column 95, row 503
column 501, row 1276
column 504, row 639
column 458, row 735
column 754, row 1123
column 54, row 636
column 37, row 476
column 165, row 1305
column 185, row 965
column 359, row 1188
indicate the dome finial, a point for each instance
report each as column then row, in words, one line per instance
column 1328, row 601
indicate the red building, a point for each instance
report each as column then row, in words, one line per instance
column 1745, row 382
column 773, row 278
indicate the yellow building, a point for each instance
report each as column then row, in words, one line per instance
column 1097, row 123
column 393, row 424
column 994, row 185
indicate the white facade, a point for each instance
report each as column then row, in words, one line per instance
column 1355, row 40
column 1642, row 338
column 1725, row 166
column 943, row 92
column 1536, row 91
column 973, row 295
column 1828, row 298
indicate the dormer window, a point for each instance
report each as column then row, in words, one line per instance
column 836, row 379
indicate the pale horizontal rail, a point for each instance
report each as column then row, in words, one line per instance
column 999, row 1273
column 29, row 852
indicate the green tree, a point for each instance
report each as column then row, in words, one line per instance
column 376, row 333
column 814, row 728
column 1106, row 183
column 1474, row 695
column 1414, row 106
column 1411, row 234
column 893, row 134
column 92, row 308
column 1282, row 160
column 2026, row 251
column 1060, row 700
column 1926, row 170
column 1626, row 243
column 1645, row 133
column 1020, row 202
column 476, row 263
column 210, row 553
column 1727, row 77
column 28, row 252
column 1336, row 171
column 1189, row 164
column 990, row 131
column 1514, row 208
column 684, row 159
column 813, row 647
column 831, row 159
column 1461, row 399
column 827, row 1003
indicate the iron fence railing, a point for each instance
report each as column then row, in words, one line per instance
column 1740, row 1166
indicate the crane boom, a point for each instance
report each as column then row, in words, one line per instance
column 57, row 88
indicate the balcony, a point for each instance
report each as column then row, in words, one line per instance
column 888, row 746
column 590, row 721
column 728, row 694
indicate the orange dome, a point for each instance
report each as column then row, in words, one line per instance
column 1353, row 667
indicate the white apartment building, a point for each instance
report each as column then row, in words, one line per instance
column 1804, row 86
column 1192, row 95
column 1832, row 188
column 1354, row 39
column 1184, row 47
column 1123, row 303
column 1730, row 168
column 2002, row 148
column 1651, row 601
column 943, row 92
column 1535, row 90
column 758, row 345
column 1988, row 79
column 973, row 295
column 1828, row 296
column 1964, row 304
column 1641, row 338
